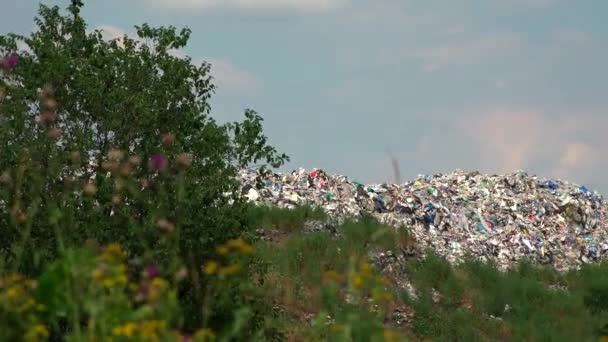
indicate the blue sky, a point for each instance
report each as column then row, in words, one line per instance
column 489, row 85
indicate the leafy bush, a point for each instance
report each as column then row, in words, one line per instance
column 112, row 142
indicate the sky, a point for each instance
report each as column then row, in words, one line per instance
column 439, row 85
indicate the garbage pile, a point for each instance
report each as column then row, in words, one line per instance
column 502, row 218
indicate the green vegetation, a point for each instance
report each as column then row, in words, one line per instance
column 120, row 221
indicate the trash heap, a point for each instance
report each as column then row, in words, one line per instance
column 502, row 218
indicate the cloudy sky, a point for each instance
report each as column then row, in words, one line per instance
column 490, row 85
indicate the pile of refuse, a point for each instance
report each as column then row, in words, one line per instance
column 503, row 218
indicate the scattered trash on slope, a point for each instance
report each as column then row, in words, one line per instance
column 502, row 218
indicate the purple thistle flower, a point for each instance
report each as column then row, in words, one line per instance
column 152, row 271
column 9, row 62
column 12, row 60
column 158, row 162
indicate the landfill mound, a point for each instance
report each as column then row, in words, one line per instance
column 502, row 218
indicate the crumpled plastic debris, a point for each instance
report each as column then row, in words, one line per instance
column 502, row 218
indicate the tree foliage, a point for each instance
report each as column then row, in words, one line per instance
column 114, row 141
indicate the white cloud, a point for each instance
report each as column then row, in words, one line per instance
column 232, row 80
column 558, row 144
column 109, row 32
column 297, row 5
column 227, row 77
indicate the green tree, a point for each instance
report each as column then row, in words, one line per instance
column 80, row 113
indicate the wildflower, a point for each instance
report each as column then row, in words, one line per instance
column 181, row 274
column 108, row 283
column 332, row 276
column 390, row 334
column 49, row 104
column 126, row 330
column 47, row 91
column 28, row 304
column 115, row 155
column 116, row 199
column 134, row 160
column 113, row 251
column 204, row 333
column 158, row 162
column 211, row 267
column 15, row 291
column 109, row 165
column 365, row 268
column 144, row 183
column 125, row 170
column 9, row 62
column 183, row 159
column 122, row 279
column 74, row 156
column 150, row 329
column 6, row 178
column 168, row 139
column 152, row 271
column 18, row 215
column 119, row 184
column 222, row 250
column 240, row 245
column 37, row 333
column 97, row 274
column 54, row 132
column 357, row 280
column 230, row 269
column 165, row 226
column 12, row 60
column 90, row 189
column 335, row 328
column 47, row 117
column 154, row 294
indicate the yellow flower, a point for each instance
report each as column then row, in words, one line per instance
column 127, row 330
column 332, row 276
column 97, row 274
column 235, row 245
column 155, row 291
column 159, row 283
column 37, row 333
column 108, row 283
column 121, row 279
column 151, row 329
column 357, row 280
column 335, row 328
column 230, row 269
column 222, row 250
column 114, row 251
column 366, row 268
column 247, row 249
column 30, row 303
column 211, row 267
column 204, row 333
column 41, row 330
column 390, row 334
column 14, row 291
